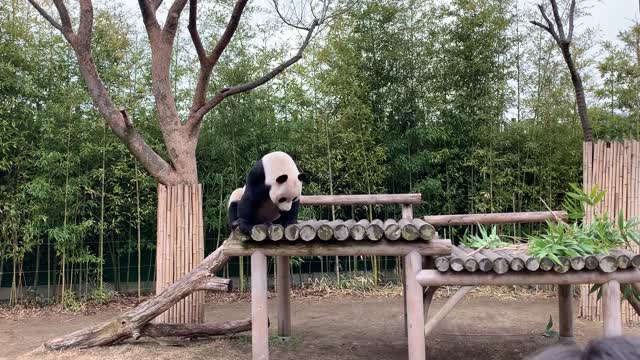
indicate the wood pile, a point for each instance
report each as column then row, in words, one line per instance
column 341, row 230
column 501, row 261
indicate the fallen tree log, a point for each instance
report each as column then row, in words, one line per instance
column 196, row 330
column 132, row 323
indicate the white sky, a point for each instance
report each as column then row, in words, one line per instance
column 609, row 16
column 613, row 16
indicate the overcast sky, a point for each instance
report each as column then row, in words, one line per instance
column 612, row 16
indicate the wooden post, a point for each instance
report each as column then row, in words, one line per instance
column 415, row 308
column 259, row 316
column 284, row 304
column 611, row 308
column 565, row 308
column 407, row 213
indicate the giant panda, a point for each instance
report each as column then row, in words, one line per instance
column 271, row 193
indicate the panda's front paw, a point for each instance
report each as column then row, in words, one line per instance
column 244, row 227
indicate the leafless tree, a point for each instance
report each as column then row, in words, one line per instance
column 180, row 138
column 556, row 29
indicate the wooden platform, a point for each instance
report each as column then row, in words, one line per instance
column 342, row 230
column 235, row 247
column 501, row 261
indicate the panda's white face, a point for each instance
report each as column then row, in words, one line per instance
column 283, row 194
column 284, row 178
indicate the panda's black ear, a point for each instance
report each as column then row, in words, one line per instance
column 302, row 177
column 282, row 179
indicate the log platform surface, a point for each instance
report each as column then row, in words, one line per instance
column 508, row 260
column 323, row 230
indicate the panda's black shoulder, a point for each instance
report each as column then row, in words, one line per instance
column 256, row 176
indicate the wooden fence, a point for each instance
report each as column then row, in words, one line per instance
column 180, row 247
column 615, row 168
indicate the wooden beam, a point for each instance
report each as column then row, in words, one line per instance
column 235, row 247
column 415, row 310
column 611, row 308
column 446, row 309
column 565, row 308
column 365, row 199
column 284, row 300
column 407, row 211
column 495, row 218
column 436, row 278
column 259, row 316
column 428, row 299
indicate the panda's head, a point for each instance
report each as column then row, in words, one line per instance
column 283, row 178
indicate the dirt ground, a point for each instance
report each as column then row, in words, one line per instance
column 330, row 327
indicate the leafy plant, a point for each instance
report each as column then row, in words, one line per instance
column 575, row 201
column 579, row 238
column 484, row 240
column 548, row 331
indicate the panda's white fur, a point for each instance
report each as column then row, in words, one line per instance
column 276, row 165
column 236, row 195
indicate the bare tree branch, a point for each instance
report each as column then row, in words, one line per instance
column 193, row 31
column 285, row 20
column 558, row 19
column 155, row 4
column 207, row 63
column 148, row 12
column 173, row 17
column 572, row 11
column 232, row 25
column 196, row 118
column 550, row 28
column 86, row 24
column 47, row 17
column 64, row 15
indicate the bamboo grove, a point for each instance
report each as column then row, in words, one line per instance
column 466, row 103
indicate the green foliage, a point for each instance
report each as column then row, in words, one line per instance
column 72, row 302
column 484, row 239
column 579, row 238
column 576, row 200
column 548, row 331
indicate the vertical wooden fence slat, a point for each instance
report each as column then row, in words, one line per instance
column 615, row 168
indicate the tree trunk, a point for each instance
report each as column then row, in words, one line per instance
column 579, row 91
column 180, row 247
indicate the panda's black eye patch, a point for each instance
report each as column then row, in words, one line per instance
column 282, row 179
column 283, row 199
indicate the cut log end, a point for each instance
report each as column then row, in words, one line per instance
column 442, row 263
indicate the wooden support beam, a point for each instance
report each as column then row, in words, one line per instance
column 436, row 278
column 565, row 308
column 415, row 310
column 284, row 300
column 428, row 298
column 365, row 199
column 235, row 247
column 407, row 211
column 446, row 309
column 259, row 315
column 495, row 218
column 611, row 308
